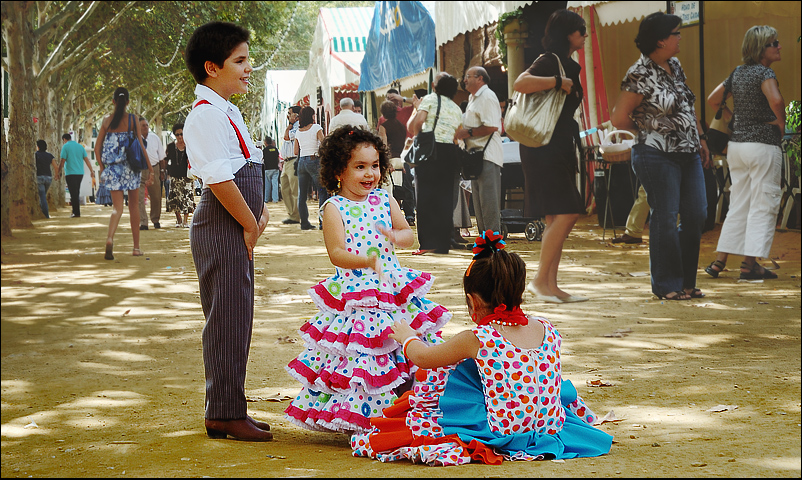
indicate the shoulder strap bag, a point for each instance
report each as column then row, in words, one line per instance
column 133, row 152
column 531, row 117
column 718, row 135
column 471, row 162
column 422, row 149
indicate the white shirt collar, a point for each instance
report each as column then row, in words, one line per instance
column 205, row 93
column 480, row 91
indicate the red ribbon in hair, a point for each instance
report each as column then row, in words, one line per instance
column 515, row 316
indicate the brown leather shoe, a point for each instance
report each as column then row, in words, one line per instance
column 627, row 239
column 241, row 429
column 260, row 425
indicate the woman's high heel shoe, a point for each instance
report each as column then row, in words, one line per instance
column 712, row 271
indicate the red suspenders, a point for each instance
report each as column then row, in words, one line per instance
column 242, row 145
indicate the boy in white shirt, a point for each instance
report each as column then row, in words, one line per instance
column 229, row 219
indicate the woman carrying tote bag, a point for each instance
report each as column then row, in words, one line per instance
column 549, row 170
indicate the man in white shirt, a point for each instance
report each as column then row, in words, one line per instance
column 156, row 154
column 347, row 116
column 481, row 125
column 288, row 181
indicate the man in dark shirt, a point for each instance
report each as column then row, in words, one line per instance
column 270, row 170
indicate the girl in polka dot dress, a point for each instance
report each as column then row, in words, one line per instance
column 490, row 393
column 350, row 369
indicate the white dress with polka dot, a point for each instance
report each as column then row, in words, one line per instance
column 350, row 367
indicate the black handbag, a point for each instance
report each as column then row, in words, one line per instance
column 718, row 135
column 422, row 149
column 133, row 152
column 471, row 162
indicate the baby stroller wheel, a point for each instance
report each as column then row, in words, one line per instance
column 534, row 231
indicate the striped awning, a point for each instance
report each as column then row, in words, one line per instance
column 347, row 28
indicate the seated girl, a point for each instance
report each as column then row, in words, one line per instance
column 490, row 393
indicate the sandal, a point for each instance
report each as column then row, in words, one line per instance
column 137, row 252
column 109, row 248
column 755, row 274
column 421, row 251
column 712, row 271
column 695, row 293
column 679, row 294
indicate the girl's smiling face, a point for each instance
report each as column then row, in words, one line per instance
column 362, row 174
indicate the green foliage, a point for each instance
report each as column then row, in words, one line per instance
column 503, row 20
column 793, row 114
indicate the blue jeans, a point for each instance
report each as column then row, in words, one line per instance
column 43, row 181
column 271, row 185
column 674, row 184
column 309, row 177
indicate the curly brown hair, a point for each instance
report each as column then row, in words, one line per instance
column 336, row 149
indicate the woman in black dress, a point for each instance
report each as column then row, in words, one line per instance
column 550, row 170
column 182, row 192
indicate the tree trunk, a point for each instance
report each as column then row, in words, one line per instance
column 20, row 181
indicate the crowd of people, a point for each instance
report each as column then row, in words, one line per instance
column 374, row 364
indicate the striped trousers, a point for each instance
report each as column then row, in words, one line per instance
column 225, row 275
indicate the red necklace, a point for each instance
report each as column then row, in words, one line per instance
column 502, row 316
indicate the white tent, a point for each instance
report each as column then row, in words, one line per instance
column 336, row 53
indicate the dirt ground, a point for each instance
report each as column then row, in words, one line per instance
column 102, row 372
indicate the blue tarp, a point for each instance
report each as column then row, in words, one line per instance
column 401, row 43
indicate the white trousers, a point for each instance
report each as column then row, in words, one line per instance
column 755, row 197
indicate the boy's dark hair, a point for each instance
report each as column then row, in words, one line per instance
column 41, row 145
column 655, row 27
column 178, row 126
column 295, row 109
column 560, row 24
column 496, row 279
column 67, row 137
column 212, row 42
column 336, row 149
column 357, row 103
column 389, row 110
column 393, row 90
column 268, row 140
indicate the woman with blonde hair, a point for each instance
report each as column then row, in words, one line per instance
column 753, row 154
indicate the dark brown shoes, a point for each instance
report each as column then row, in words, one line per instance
column 242, row 429
column 627, row 239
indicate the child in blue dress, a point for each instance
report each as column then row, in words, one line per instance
column 350, row 368
column 491, row 393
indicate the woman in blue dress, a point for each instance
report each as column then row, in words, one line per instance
column 114, row 136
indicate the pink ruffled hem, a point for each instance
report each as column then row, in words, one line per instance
column 360, row 422
column 339, row 383
column 364, row 297
column 370, row 344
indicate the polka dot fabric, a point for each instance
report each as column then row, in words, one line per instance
column 522, row 387
column 349, row 366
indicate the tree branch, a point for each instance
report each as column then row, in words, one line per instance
column 69, row 34
column 65, row 12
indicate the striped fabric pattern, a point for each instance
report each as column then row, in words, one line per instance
column 348, row 28
column 225, row 276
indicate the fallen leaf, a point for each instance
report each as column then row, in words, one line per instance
column 275, row 456
column 127, row 312
column 638, row 274
column 620, row 333
column 610, row 417
column 31, row 425
column 722, row 408
column 286, row 339
column 698, row 464
column 277, row 397
column 598, row 383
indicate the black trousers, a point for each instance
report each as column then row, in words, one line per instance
column 74, row 185
column 435, row 197
column 225, row 276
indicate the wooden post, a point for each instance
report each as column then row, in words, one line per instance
column 515, row 34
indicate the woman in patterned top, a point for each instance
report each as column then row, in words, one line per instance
column 753, row 154
column 668, row 156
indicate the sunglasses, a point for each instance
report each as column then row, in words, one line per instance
column 775, row 44
column 179, row 134
column 679, row 34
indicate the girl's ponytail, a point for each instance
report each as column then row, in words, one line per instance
column 497, row 276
